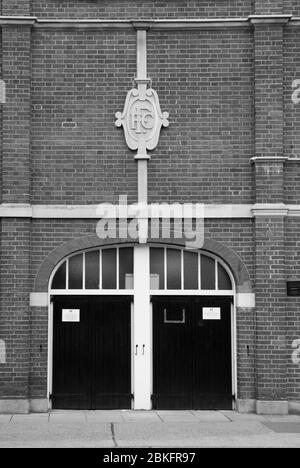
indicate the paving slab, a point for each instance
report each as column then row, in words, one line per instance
column 176, row 416
column 234, row 416
column 278, row 418
column 5, row 418
column 71, row 435
column 104, row 416
column 82, row 435
column 67, row 418
column 284, row 427
column 30, row 418
column 210, row 416
column 148, row 429
column 186, row 434
column 133, row 416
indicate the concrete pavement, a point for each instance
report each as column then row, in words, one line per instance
column 148, row 429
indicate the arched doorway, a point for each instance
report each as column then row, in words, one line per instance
column 142, row 327
column 91, row 307
column 192, row 298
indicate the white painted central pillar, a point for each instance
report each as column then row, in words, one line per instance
column 142, row 329
column 142, row 318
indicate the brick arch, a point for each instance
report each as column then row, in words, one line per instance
column 236, row 265
column 66, row 249
column 233, row 261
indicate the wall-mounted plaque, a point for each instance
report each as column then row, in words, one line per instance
column 70, row 315
column 293, row 288
column 211, row 313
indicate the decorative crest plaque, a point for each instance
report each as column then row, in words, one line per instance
column 142, row 120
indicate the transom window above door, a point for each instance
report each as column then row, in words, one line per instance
column 103, row 269
column 179, row 269
column 171, row 269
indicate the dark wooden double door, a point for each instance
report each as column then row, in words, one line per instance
column 192, row 364
column 92, row 356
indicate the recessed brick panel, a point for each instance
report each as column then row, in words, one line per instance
column 204, row 79
column 79, row 80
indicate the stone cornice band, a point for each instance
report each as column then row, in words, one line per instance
column 211, row 211
column 156, row 24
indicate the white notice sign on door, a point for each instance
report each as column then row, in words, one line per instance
column 211, row 313
column 71, row 315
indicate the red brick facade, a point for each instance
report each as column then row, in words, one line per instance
column 228, row 88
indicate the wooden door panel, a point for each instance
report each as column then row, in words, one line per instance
column 112, row 355
column 192, row 360
column 212, row 387
column 172, row 371
column 71, row 364
column 92, row 357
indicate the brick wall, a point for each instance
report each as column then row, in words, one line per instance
column 292, row 182
column 267, row 7
column 140, row 9
column 156, row 8
column 38, row 352
column 292, row 7
column 16, row 7
column 246, row 352
column 1, row 119
column 65, row 149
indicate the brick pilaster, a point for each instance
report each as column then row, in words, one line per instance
column 269, row 181
column 14, row 302
column 268, row 66
column 15, row 233
column 270, row 284
column 268, row 62
column 270, row 308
